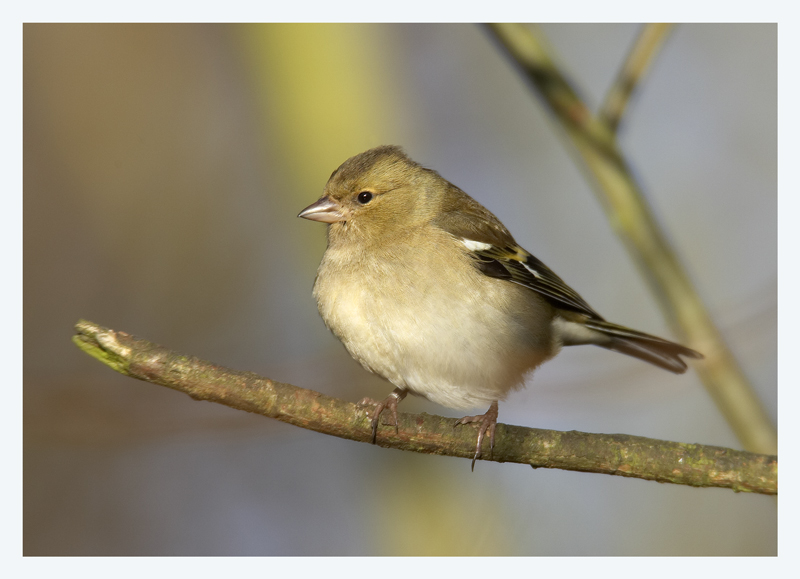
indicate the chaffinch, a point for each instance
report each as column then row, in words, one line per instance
column 426, row 288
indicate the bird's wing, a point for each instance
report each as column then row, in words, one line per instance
column 497, row 255
column 518, row 266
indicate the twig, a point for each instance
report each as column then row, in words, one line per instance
column 636, row 65
column 618, row 454
column 634, row 222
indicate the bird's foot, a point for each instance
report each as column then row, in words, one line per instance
column 486, row 422
column 390, row 403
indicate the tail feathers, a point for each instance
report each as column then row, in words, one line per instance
column 662, row 353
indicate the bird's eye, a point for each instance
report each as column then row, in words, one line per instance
column 364, row 197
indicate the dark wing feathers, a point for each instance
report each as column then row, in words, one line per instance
column 524, row 269
column 465, row 218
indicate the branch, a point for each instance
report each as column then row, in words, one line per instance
column 631, row 216
column 618, row 454
column 639, row 59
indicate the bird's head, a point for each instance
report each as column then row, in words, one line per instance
column 376, row 193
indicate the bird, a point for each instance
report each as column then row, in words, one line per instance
column 426, row 288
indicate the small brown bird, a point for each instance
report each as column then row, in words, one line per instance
column 426, row 288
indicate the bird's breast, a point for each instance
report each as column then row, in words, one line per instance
column 448, row 333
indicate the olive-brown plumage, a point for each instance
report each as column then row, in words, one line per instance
column 426, row 288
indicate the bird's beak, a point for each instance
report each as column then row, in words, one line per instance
column 325, row 210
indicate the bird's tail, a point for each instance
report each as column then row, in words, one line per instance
column 662, row 353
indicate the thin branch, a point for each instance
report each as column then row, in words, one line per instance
column 617, row 454
column 634, row 222
column 639, row 59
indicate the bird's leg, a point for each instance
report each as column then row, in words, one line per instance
column 486, row 422
column 390, row 402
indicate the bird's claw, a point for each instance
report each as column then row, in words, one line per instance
column 390, row 403
column 486, row 422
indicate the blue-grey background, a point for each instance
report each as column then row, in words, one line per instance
column 164, row 166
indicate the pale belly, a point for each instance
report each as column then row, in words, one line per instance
column 445, row 342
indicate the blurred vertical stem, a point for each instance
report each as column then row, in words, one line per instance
column 310, row 82
column 595, row 141
column 647, row 45
column 314, row 89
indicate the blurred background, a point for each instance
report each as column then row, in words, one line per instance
column 164, row 166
